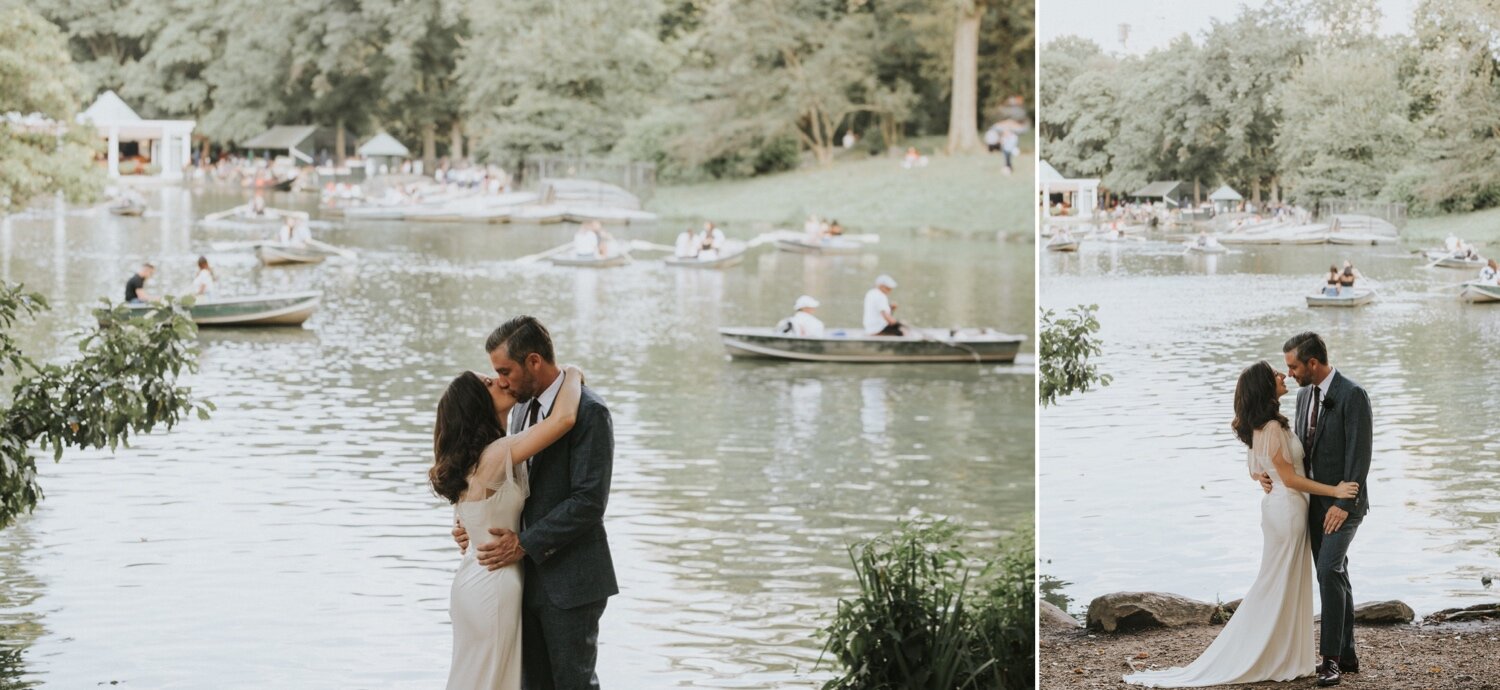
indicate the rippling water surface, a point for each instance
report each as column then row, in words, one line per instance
column 1143, row 485
column 291, row 541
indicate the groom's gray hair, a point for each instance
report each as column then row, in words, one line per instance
column 1309, row 345
column 521, row 337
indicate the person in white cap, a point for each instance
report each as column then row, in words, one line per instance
column 880, row 316
column 803, row 323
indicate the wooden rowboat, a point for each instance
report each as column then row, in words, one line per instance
column 827, row 245
column 287, row 309
column 731, row 255
column 1350, row 298
column 1066, row 246
column 128, row 209
column 1446, row 260
column 608, row 261
column 853, row 346
column 1480, row 293
column 284, row 254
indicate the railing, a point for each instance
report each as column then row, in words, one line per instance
column 635, row 177
column 1390, row 211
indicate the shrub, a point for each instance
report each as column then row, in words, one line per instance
column 930, row 616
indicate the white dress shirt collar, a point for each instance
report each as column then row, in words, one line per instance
column 549, row 396
column 1323, row 385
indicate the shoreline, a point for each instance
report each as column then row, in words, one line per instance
column 1435, row 652
column 1443, row 656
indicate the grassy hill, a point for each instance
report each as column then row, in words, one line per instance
column 1479, row 227
column 967, row 194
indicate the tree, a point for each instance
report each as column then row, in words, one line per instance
column 767, row 69
column 1345, row 140
column 569, row 78
column 1083, row 122
column 1454, row 83
column 122, row 382
column 40, row 155
column 963, row 129
column 1066, row 344
column 1062, row 61
column 1244, row 61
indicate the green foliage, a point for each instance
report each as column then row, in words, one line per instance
column 931, row 616
column 123, row 381
column 1344, row 141
column 37, row 77
column 1067, row 343
column 1300, row 95
column 702, row 87
column 567, row 79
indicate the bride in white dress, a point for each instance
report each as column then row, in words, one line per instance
column 481, row 471
column 1270, row 636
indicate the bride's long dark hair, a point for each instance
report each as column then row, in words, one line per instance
column 1255, row 401
column 466, row 423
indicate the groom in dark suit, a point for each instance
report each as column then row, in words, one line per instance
column 568, row 570
column 1334, row 423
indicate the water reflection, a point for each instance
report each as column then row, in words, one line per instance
column 291, row 541
column 1145, row 486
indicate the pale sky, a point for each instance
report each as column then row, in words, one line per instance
column 1154, row 23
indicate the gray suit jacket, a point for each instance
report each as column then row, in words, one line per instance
column 1339, row 450
column 563, row 521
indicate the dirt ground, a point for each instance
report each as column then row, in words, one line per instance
column 1450, row 656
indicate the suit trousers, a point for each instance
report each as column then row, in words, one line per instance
column 559, row 647
column 1331, row 552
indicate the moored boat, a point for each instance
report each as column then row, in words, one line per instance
column 731, row 255
column 287, row 309
column 1348, row 298
column 826, row 245
column 1446, row 260
column 1480, row 293
column 131, row 209
column 853, row 346
column 1062, row 245
column 589, row 261
column 283, row 254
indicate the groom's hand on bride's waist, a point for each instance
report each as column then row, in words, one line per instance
column 1264, row 478
column 503, row 551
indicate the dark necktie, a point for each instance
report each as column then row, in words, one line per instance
column 532, row 411
column 1312, row 414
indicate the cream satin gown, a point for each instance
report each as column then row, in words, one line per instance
column 485, row 605
column 1270, row 636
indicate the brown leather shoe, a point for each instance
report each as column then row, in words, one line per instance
column 1328, row 674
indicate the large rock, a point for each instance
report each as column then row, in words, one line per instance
column 1383, row 613
column 1124, row 611
column 1054, row 618
column 1469, row 613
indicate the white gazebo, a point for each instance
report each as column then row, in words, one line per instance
column 1225, row 199
column 1084, row 191
column 170, row 141
column 379, row 149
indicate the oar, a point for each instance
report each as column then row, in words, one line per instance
column 336, row 251
column 226, row 213
column 538, row 257
column 235, row 246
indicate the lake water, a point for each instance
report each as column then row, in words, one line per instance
column 1144, row 486
column 292, row 541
